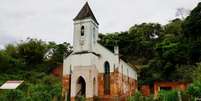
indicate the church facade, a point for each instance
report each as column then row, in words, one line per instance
column 91, row 70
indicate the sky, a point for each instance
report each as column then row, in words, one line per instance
column 52, row 20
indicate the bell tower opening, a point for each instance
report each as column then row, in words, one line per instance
column 82, row 31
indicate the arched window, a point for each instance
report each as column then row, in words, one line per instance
column 94, row 86
column 94, row 36
column 122, row 71
column 128, row 75
column 106, row 78
column 82, row 31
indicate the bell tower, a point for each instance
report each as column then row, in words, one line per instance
column 85, row 30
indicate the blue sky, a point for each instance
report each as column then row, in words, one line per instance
column 51, row 20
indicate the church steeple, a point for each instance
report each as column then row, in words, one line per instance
column 85, row 30
column 86, row 12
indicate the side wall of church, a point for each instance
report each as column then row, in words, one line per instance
column 115, row 63
column 121, row 86
column 127, row 70
column 108, row 56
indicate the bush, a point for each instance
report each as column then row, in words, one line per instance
column 171, row 95
column 80, row 98
column 195, row 89
column 139, row 97
column 12, row 95
column 186, row 97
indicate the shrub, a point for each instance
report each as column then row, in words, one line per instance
column 171, row 95
column 12, row 95
column 195, row 89
column 80, row 98
column 137, row 97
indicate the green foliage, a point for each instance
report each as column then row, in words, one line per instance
column 192, row 24
column 174, row 28
column 12, row 95
column 32, row 51
column 47, row 89
column 57, row 52
column 168, row 95
column 26, row 61
column 81, row 98
column 7, row 63
column 192, row 32
column 172, row 95
column 195, row 88
column 186, row 97
column 138, row 97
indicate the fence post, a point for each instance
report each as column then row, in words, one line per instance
column 179, row 95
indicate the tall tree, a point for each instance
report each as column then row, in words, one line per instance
column 32, row 51
column 192, row 24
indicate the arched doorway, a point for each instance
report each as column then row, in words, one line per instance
column 80, row 87
column 106, row 78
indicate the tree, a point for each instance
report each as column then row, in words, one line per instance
column 32, row 51
column 57, row 52
column 192, row 32
column 192, row 24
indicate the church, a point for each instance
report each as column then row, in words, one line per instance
column 92, row 71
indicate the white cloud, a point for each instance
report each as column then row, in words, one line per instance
column 51, row 20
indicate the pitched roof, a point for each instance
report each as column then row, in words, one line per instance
column 85, row 12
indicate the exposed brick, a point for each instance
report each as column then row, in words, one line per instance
column 117, row 82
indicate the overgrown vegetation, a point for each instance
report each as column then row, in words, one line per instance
column 172, row 95
column 32, row 61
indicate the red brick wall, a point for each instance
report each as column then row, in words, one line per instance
column 145, row 90
column 117, row 82
column 57, row 71
column 65, row 85
column 174, row 85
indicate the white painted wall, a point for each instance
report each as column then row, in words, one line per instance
column 127, row 70
column 106, row 55
column 77, row 60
